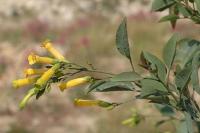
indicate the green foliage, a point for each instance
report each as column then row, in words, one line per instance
column 111, row 86
column 169, row 83
column 154, row 65
column 160, row 5
column 170, row 51
column 152, row 87
column 127, row 76
column 122, row 41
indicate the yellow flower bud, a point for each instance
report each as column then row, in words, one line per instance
column 32, row 58
column 47, row 75
column 48, row 45
column 81, row 102
column 31, row 71
column 23, row 82
column 74, row 82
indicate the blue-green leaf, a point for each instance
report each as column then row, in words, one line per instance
column 186, row 50
column 171, row 17
column 105, row 86
column 160, row 5
column 154, row 64
column 182, row 77
column 169, row 51
column 197, row 2
column 152, row 87
column 195, row 75
column 127, row 76
column 122, row 39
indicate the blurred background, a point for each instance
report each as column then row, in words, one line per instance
column 84, row 31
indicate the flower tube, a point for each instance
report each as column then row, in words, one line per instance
column 100, row 103
column 74, row 82
column 32, row 59
column 30, row 71
column 47, row 75
column 81, row 102
column 48, row 45
column 23, row 82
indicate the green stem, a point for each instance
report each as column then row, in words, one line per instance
column 97, row 71
column 26, row 98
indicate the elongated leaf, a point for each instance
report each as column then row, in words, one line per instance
column 195, row 19
column 165, row 110
column 191, row 107
column 160, row 5
column 186, row 50
column 122, row 40
column 159, row 99
column 113, row 86
column 197, row 2
column 189, row 123
column 195, row 68
column 95, row 84
column 173, row 11
column 182, row 127
column 169, row 18
column 184, row 11
column 127, row 76
column 154, row 64
column 152, row 87
column 169, row 51
column 183, row 77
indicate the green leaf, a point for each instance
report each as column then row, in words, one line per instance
column 126, row 76
column 165, row 110
column 189, row 123
column 196, row 19
column 113, row 86
column 190, row 107
column 186, row 50
column 197, row 2
column 122, row 39
column 152, row 87
column 154, row 64
column 184, row 11
column 159, row 99
column 195, row 75
column 160, row 5
column 173, row 10
column 182, row 127
column 182, row 77
column 169, row 51
column 95, row 84
column 171, row 17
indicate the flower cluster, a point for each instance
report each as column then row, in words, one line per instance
column 55, row 72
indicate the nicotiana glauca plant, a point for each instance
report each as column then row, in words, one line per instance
column 170, row 82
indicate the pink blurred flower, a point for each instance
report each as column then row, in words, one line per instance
column 85, row 41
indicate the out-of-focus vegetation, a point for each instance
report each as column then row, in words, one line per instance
column 85, row 32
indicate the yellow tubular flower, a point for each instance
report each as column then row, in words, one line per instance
column 48, row 45
column 31, row 71
column 74, row 82
column 100, row 103
column 47, row 75
column 32, row 59
column 81, row 102
column 23, row 82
